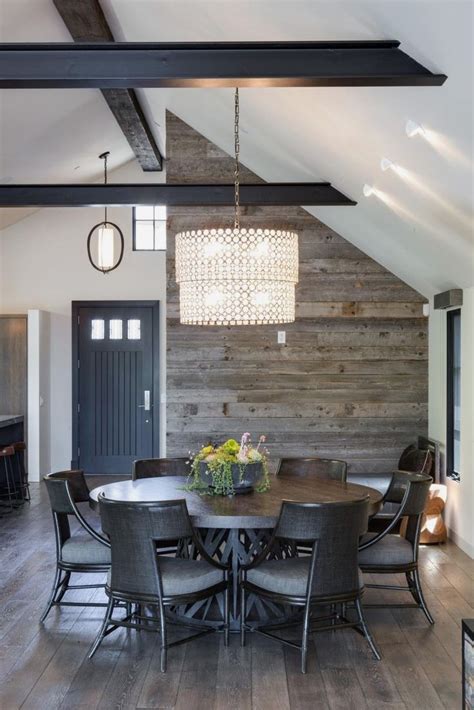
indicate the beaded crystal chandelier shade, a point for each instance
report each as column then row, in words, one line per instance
column 236, row 276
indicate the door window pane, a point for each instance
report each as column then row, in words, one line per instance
column 133, row 329
column 115, row 329
column 97, row 329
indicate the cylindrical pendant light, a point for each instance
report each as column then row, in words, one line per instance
column 106, row 234
column 237, row 276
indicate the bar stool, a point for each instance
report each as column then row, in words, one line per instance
column 7, row 454
column 20, row 470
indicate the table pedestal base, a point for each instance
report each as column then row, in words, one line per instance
column 236, row 548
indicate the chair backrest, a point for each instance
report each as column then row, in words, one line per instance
column 56, row 485
column 319, row 468
column 152, row 468
column 133, row 530
column 57, row 492
column 336, row 528
column 418, row 486
column 416, row 460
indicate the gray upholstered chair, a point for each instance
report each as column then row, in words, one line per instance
column 329, row 576
column 388, row 553
column 151, row 468
column 140, row 576
column 319, row 468
column 86, row 551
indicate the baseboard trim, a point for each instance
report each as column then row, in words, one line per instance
column 465, row 546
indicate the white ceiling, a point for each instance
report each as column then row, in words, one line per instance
column 421, row 225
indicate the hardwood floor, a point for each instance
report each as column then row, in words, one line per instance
column 46, row 667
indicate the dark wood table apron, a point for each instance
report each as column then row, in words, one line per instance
column 234, row 528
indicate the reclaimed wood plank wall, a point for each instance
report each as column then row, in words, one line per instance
column 351, row 381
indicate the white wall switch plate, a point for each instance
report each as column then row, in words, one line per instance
column 281, row 337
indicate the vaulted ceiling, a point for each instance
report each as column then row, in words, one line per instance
column 419, row 221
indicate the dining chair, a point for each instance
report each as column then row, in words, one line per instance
column 328, row 576
column 389, row 553
column 140, row 576
column 319, row 468
column 78, row 552
column 151, row 468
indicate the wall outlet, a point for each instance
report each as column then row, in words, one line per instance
column 281, row 337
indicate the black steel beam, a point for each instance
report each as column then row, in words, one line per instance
column 291, row 194
column 255, row 64
column 86, row 22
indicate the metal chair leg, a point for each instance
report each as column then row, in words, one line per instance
column 304, row 645
column 366, row 631
column 243, row 612
column 63, row 587
column 421, row 599
column 103, row 628
column 226, row 615
column 54, row 590
column 164, row 647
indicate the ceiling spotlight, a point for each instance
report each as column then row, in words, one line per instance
column 368, row 190
column 385, row 164
column 414, row 129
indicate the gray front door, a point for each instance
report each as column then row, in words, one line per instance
column 116, row 377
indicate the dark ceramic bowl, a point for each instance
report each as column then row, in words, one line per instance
column 244, row 478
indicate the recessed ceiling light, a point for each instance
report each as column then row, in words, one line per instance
column 368, row 190
column 385, row 164
column 414, row 129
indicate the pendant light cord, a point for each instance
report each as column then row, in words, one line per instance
column 104, row 157
column 237, row 163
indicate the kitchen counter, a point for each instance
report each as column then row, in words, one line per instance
column 10, row 419
column 11, row 428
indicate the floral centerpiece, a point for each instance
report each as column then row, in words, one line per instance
column 231, row 467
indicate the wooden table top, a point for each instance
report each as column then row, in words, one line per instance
column 249, row 510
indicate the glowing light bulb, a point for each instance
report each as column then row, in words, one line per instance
column 212, row 249
column 414, row 129
column 261, row 298
column 262, row 249
column 385, row 164
column 213, row 298
column 368, row 190
column 105, row 257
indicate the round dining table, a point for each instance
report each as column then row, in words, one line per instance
column 235, row 528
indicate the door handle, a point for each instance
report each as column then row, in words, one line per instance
column 146, row 401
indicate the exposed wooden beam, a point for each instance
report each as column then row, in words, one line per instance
column 306, row 194
column 86, row 22
column 257, row 64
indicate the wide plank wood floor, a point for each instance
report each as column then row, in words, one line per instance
column 46, row 667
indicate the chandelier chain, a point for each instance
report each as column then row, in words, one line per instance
column 237, row 159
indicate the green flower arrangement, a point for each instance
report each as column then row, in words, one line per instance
column 230, row 468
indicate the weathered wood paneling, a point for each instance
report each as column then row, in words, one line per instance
column 351, row 381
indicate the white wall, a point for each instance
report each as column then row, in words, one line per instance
column 39, row 387
column 44, row 265
column 460, row 505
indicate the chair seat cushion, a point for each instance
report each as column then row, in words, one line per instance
column 84, row 550
column 181, row 576
column 390, row 550
column 288, row 577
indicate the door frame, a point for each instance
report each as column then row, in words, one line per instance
column 75, row 307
